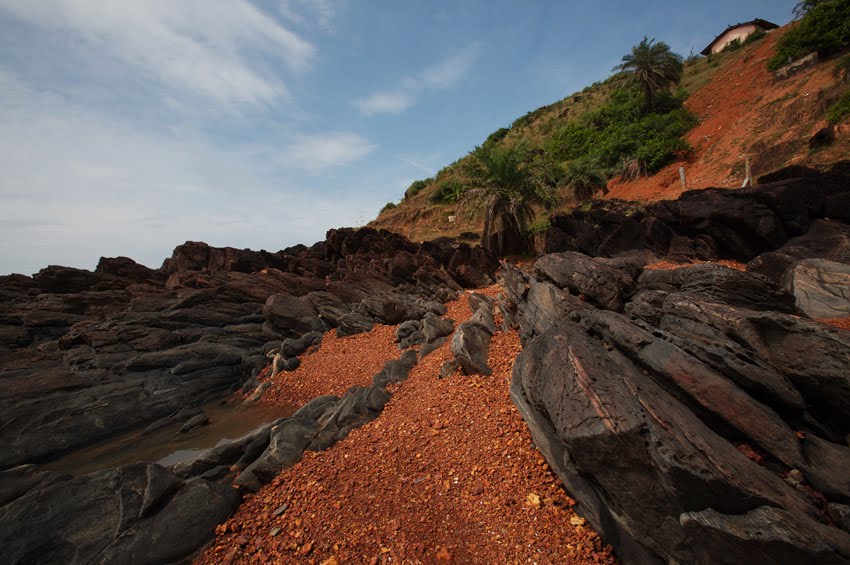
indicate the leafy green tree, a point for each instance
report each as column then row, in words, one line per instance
column 507, row 186
column 585, row 178
column 825, row 28
column 652, row 66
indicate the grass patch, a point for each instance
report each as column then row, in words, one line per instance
column 840, row 110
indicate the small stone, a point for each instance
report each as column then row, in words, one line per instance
column 795, row 477
column 477, row 489
column 242, row 541
column 330, row 561
column 577, row 521
column 275, row 532
column 443, row 554
column 532, row 500
column 280, row 509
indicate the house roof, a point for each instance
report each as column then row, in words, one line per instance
column 763, row 24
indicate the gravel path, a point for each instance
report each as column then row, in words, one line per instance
column 447, row 473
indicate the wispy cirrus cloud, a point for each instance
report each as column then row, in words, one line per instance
column 386, row 102
column 324, row 12
column 200, row 46
column 314, row 153
column 441, row 76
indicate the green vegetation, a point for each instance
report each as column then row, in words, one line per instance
column 585, row 178
column 736, row 44
column 840, row 110
column 417, row 186
column 448, row 192
column 842, row 68
column 387, row 206
column 509, row 188
column 825, row 28
column 623, row 131
column 652, row 66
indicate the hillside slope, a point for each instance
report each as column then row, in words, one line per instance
column 743, row 113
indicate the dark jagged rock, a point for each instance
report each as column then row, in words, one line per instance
column 87, row 355
column 704, row 224
column 139, row 513
column 293, row 347
column 315, row 426
column 578, row 273
column 694, row 415
column 825, row 240
column 471, row 340
column 821, row 288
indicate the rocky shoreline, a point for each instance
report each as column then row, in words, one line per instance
column 89, row 355
column 696, row 414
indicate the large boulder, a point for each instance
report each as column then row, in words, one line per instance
column 471, row 340
column 639, row 457
column 139, row 513
column 596, row 282
column 821, row 288
column 291, row 314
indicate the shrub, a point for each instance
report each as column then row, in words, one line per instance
column 733, row 45
column 417, row 186
column 539, row 226
column 755, row 36
column 585, row 178
column 622, row 130
column 387, row 206
column 496, row 137
column 840, row 109
column 825, row 28
column 571, row 141
column 842, row 67
column 448, row 192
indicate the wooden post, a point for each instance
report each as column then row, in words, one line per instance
column 748, row 174
column 682, row 178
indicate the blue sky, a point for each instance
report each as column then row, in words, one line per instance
column 128, row 128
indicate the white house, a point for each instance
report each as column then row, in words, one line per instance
column 739, row 32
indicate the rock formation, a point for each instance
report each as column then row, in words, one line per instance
column 698, row 415
column 85, row 356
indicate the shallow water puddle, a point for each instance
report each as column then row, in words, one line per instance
column 166, row 446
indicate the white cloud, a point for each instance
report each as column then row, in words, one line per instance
column 451, row 70
column 324, row 11
column 441, row 76
column 387, row 102
column 314, row 153
column 78, row 184
column 196, row 45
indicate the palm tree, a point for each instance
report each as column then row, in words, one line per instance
column 804, row 6
column 585, row 179
column 508, row 187
column 653, row 66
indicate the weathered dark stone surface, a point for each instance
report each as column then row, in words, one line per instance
column 87, row 355
column 471, row 340
column 704, row 224
column 821, row 288
column 139, row 513
column 825, row 240
column 696, row 415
